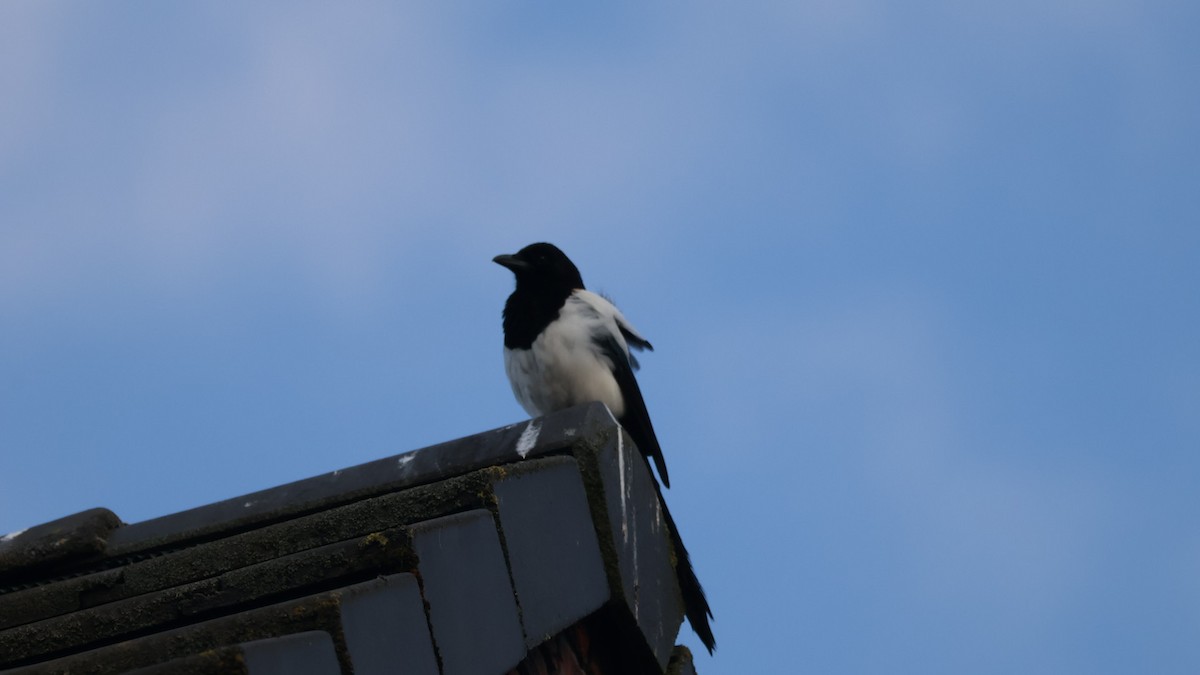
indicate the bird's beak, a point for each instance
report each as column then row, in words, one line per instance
column 512, row 262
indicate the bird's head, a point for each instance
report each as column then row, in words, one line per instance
column 542, row 266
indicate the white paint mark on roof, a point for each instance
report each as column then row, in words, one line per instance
column 528, row 438
column 611, row 416
column 403, row 460
column 621, row 473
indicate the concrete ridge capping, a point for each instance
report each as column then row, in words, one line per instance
column 99, row 533
column 505, row 552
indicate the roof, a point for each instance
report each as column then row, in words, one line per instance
column 534, row 548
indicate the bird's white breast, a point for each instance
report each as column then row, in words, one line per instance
column 564, row 367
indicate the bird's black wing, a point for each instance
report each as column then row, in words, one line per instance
column 634, row 341
column 632, row 337
column 636, row 419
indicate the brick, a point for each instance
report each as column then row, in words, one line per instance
column 681, row 662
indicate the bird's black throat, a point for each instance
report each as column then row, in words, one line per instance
column 529, row 310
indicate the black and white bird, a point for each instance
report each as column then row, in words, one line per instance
column 565, row 345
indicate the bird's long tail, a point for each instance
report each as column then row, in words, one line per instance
column 695, row 604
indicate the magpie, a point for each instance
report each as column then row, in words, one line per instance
column 565, row 345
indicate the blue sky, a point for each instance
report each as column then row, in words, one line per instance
column 922, row 281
